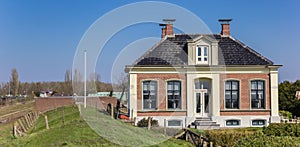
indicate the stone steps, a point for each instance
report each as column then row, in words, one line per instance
column 205, row 123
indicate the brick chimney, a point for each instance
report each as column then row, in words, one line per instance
column 225, row 23
column 167, row 29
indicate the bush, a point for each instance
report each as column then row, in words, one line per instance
column 286, row 114
column 228, row 137
column 282, row 129
column 144, row 122
column 272, row 141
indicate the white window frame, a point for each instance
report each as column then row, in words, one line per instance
column 156, row 95
column 238, row 95
column 202, row 54
column 239, row 123
column 167, row 96
column 259, row 125
column 264, row 93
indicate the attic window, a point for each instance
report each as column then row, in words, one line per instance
column 202, row 55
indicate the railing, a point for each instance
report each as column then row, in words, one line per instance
column 194, row 138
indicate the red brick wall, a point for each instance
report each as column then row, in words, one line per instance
column 161, row 82
column 46, row 104
column 161, row 113
column 245, row 92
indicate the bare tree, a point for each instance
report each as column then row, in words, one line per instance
column 77, row 82
column 14, row 82
column 68, row 83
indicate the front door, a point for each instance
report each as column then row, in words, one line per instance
column 202, row 99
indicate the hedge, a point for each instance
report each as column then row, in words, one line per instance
column 282, row 129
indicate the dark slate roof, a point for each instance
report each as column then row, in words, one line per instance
column 173, row 51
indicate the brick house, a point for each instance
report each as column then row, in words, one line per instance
column 207, row 80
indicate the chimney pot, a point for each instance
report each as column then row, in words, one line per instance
column 225, row 23
column 167, row 27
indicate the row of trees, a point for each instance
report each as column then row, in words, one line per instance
column 287, row 99
column 67, row 87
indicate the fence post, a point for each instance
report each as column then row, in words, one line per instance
column 112, row 111
column 131, row 114
column 15, row 129
column 165, row 126
column 46, row 121
column 63, row 115
column 149, row 123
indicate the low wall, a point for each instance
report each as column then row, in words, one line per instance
column 46, row 104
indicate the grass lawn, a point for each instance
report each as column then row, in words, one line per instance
column 77, row 132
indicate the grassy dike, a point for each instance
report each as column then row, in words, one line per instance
column 76, row 132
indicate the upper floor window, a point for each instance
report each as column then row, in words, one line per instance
column 202, row 55
column 232, row 94
column 149, row 94
column 258, row 94
column 174, row 94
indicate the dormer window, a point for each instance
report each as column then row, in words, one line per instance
column 202, row 55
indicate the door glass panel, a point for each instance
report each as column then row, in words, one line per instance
column 206, row 100
column 198, row 102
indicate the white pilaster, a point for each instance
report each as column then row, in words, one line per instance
column 274, row 95
column 215, row 95
column 133, row 94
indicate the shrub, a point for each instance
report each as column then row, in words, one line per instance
column 282, row 129
column 286, row 114
column 263, row 140
column 228, row 137
column 144, row 122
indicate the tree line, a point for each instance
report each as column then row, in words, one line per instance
column 17, row 88
column 287, row 97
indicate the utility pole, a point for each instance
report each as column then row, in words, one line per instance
column 85, row 78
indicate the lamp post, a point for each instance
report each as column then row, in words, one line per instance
column 85, row 78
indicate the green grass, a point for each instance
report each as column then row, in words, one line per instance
column 16, row 107
column 77, row 132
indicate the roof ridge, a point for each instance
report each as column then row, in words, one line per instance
column 250, row 49
column 149, row 50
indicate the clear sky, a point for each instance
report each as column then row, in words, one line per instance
column 40, row 37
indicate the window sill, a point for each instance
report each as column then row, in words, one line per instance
column 245, row 110
column 145, row 111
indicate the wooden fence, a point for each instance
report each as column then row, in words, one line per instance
column 194, row 138
column 23, row 124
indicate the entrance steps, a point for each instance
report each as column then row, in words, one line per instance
column 205, row 123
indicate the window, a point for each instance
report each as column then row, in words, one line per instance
column 258, row 122
column 202, row 55
column 232, row 94
column 258, row 94
column 232, row 122
column 174, row 94
column 149, row 94
column 174, row 123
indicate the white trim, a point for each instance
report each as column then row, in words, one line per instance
column 202, row 62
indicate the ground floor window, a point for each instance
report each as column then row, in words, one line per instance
column 232, row 122
column 258, row 122
column 174, row 123
column 149, row 94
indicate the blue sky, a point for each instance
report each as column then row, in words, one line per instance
column 40, row 37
